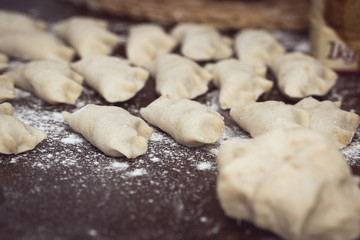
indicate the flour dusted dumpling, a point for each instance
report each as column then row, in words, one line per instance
column 178, row 77
column 87, row 35
column 146, row 41
column 7, row 90
column 257, row 47
column 15, row 136
column 34, row 46
column 113, row 130
column 202, row 42
column 292, row 182
column 3, row 62
column 260, row 117
column 239, row 83
column 328, row 119
column 52, row 81
column 112, row 77
column 14, row 22
column 300, row 75
column 188, row 122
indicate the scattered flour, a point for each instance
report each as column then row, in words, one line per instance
column 72, row 139
column 204, row 166
column 137, row 172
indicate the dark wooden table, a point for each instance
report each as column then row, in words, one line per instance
column 67, row 189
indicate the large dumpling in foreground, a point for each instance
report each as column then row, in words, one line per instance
column 188, row 122
column 299, row 75
column 178, row 77
column 15, row 136
column 113, row 130
column 292, row 182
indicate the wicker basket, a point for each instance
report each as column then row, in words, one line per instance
column 225, row 14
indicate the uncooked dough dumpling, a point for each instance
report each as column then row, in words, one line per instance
column 239, row 83
column 188, row 122
column 15, row 136
column 7, row 90
column 292, row 182
column 328, row 119
column 51, row 81
column 178, row 77
column 3, row 62
column 202, row 42
column 14, row 22
column 34, row 46
column 257, row 47
column 260, row 117
column 146, row 41
column 112, row 77
column 300, row 75
column 113, row 130
column 87, row 35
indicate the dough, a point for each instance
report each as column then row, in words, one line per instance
column 328, row 119
column 257, row 47
column 239, row 83
column 34, row 46
column 87, row 35
column 260, row 117
column 300, row 75
column 112, row 77
column 202, row 42
column 15, row 136
column 3, row 62
column 178, row 77
column 112, row 130
column 146, row 41
column 52, row 81
column 188, row 122
column 7, row 90
column 292, row 182
column 15, row 22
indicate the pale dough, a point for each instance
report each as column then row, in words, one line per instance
column 3, row 62
column 257, row 47
column 7, row 90
column 146, row 41
column 34, row 46
column 112, row 77
column 113, row 130
column 188, row 122
column 15, row 22
column 15, row 136
column 292, row 182
column 202, row 42
column 239, row 83
column 87, row 35
column 178, row 77
column 299, row 75
column 52, row 81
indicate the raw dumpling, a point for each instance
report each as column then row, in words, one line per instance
column 178, row 77
column 257, row 47
column 300, row 75
column 113, row 130
column 7, row 90
column 87, row 35
column 112, row 77
column 52, row 81
column 188, row 122
column 34, row 46
column 202, row 42
column 14, row 22
column 292, row 182
column 239, row 83
column 3, row 62
column 260, row 117
column 145, row 42
column 328, row 119
column 15, row 136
